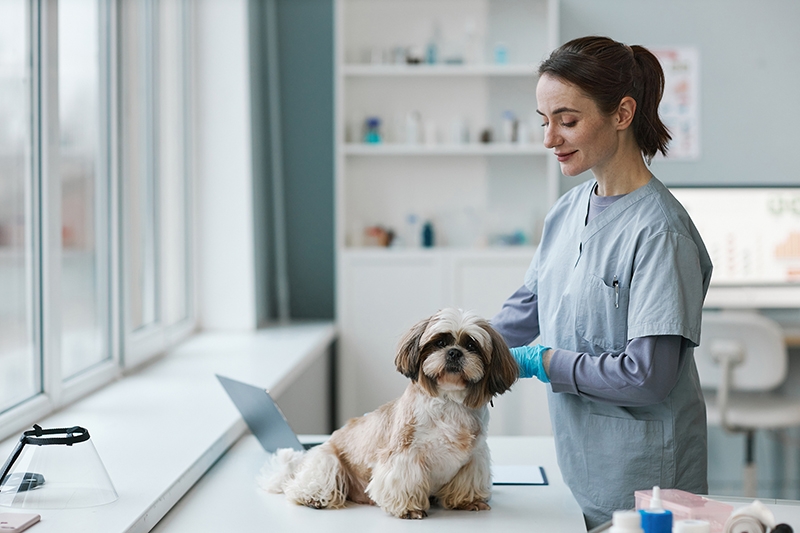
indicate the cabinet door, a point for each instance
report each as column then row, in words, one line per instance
column 383, row 296
column 482, row 284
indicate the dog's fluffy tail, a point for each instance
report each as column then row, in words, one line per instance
column 279, row 469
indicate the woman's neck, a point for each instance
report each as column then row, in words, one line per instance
column 625, row 173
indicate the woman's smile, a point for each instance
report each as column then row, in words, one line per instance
column 563, row 157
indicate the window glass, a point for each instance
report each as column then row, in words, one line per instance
column 19, row 362
column 83, row 174
column 172, row 105
column 138, row 168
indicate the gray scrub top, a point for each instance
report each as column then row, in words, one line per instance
column 638, row 269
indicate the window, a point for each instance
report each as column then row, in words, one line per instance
column 84, row 168
column 20, row 376
column 95, row 203
column 156, row 151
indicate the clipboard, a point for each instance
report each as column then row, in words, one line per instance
column 518, row 475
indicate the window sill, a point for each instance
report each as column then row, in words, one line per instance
column 159, row 429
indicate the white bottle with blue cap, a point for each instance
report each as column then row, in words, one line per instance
column 656, row 519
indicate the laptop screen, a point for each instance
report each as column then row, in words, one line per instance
column 262, row 414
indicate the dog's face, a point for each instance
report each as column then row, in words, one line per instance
column 455, row 350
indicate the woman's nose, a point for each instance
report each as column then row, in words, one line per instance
column 551, row 140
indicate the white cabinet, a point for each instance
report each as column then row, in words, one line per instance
column 431, row 167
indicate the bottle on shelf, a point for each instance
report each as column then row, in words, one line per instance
column 473, row 53
column 434, row 47
column 372, row 135
column 413, row 127
column 501, row 54
column 428, row 237
column 413, row 232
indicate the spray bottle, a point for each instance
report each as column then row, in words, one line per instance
column 656, row 519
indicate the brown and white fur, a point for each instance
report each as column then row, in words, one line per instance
column 429, row 444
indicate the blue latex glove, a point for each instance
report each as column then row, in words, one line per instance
column 530, row 361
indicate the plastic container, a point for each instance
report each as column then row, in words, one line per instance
column 687, row 506
column 692, row 526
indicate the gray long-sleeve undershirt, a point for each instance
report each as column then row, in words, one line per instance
column 643, row 374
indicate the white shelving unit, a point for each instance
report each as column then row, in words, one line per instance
column 371, row 70
column 443, row 149
column 474, row 193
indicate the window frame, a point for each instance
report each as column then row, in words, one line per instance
column 143, row 343
column 127, row 348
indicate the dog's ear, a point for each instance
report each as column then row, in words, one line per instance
column 504, row 370
column 408, row 351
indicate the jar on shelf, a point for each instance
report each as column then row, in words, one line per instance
column 372, row 135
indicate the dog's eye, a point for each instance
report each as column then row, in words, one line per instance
column 440, row 343
column 472, row 347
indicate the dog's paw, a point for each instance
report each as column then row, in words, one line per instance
column 477, row 505
column 414, row 514
column 314, row 504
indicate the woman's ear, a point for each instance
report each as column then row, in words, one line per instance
column 625, row 112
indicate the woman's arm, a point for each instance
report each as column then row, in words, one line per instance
column 518, row 319
column 644, row 374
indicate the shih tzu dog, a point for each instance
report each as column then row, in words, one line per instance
column 428, row 445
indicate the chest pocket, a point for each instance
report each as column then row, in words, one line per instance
column 602, row 314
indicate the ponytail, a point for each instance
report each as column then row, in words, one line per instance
column 651, row 134
column 607, row 71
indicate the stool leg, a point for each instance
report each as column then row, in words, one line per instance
column 750, row 472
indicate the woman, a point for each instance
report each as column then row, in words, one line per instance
column 615, row 289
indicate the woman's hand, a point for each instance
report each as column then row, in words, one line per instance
column 533, row 361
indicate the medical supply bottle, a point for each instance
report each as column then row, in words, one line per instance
column 656, row 519
column 428, row 239
column 626, row 522
column 372, row 134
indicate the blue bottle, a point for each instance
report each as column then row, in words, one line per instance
column 427, row 235
column 656, row 519
column 373, row 133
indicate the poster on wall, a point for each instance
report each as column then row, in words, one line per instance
column 680, row 105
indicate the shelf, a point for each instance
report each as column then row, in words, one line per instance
column 359, row 149
column 526, row 251
column 439, row 70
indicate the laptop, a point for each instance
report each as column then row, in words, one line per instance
column 263, row 416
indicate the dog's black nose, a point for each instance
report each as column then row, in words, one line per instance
column 454, row 354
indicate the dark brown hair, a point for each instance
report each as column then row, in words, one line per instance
column 607, row 71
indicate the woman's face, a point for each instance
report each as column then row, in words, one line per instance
column 581, row 137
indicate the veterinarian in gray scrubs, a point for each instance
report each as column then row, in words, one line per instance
column 615, row 289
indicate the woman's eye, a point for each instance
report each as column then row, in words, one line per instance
column 569, row 124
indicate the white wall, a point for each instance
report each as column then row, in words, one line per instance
column 225, row 240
